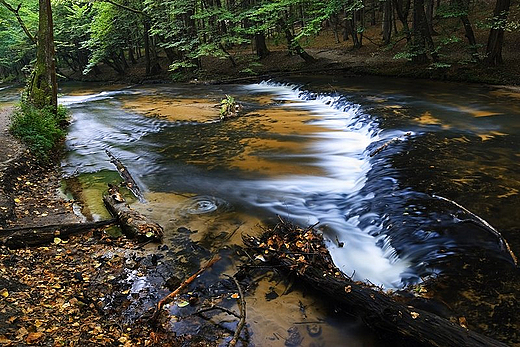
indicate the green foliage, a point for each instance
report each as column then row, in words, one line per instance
column 228, row 107
column 16, row 50
column 451, row 10
column 439, row 66
column 39, row 129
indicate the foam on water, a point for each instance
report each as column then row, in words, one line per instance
column 329, row 199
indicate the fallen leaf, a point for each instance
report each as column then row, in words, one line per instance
column 57, row 240
column 183, row 303
column 4, row 340
column 414, row 315
column 234, row 296
column 4, row 293
column 33, row 338
column 463, row 323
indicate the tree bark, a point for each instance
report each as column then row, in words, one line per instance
column 387, row 22
column 420, row 31
column 132, row 222
column 43, row 89
column 496, row 34
column 261, row 48
column 39, row 235
column 403, row 9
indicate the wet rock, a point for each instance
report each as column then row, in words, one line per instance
column 314, row 330
column 173, row 283
column 295, row 338
column 271, row 295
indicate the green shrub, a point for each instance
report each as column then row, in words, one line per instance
column 40, row 129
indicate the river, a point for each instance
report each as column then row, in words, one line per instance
column 401, row 176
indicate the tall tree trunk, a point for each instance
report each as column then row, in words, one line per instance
column 43, row 89
column 261, row 48
column 429, row 16
column 387, row 22
column 148, row 67
column 402, row 8
column 496, row 34
column 292, row 44
column 420, row 31
column 463, row 5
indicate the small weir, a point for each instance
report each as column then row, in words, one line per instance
column 346, row 160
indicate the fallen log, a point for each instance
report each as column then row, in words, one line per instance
column 302, row 251
column 126, row 176
column 133, row 223
column 38, row 235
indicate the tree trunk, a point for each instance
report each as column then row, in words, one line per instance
column 294, row 45
column 402, row 10
column 39, row 235
column 43, row 89
column 468, row 28
column 496, row 34
column 420, row 30
column 261, row 48
column 429, row 16
column 132, row 222
column 387, row 22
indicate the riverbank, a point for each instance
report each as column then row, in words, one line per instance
column 335, row 59
column 55, row 295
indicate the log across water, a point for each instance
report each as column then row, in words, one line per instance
column 132, row 222
column 302, row 251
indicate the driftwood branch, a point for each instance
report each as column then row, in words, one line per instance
column 242, row 321
column 183, row 285
column 501, row 240
column 126, row 176
column 388, row 143
column 133, row 223
column 377, row 309
column 38, row 235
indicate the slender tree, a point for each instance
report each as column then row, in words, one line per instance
column 496, row 34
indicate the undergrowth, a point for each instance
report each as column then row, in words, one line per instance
column 40, row 129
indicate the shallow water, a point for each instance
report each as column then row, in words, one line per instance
column 312, row 150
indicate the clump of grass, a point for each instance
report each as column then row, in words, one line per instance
column 40, row 129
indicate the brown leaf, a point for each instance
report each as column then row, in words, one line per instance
column 33, row 338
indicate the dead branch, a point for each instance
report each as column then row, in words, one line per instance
column 38, row 235
column 502, row 241
column 242, row 309
column 219, row 308
column 126, row 176
column 388, row 143
column 133, row 223
column 183, row 285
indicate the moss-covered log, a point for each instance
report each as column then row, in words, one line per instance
column 133, row 223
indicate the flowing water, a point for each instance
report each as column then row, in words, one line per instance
column 388, row 171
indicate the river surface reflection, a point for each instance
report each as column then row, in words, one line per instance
column 382, row 166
